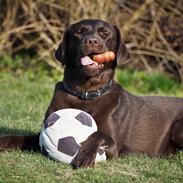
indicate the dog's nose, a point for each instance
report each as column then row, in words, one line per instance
column 91, row 41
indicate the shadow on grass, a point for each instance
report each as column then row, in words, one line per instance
column 10, row 131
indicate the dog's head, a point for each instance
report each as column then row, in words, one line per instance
column 87, row 38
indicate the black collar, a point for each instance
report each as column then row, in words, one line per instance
column 86, row 95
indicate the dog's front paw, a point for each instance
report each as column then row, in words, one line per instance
column 84, row 159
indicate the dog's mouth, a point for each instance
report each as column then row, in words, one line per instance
column 89, row 62
column 96, row 61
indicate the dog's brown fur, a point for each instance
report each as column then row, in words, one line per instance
column 126, row 123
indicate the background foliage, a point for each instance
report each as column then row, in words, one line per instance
column 152, row 29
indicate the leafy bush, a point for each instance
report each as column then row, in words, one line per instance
column 152, row 28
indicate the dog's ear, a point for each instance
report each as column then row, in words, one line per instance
column 60, row 53
column 122, row 53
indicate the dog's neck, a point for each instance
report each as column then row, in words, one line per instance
column 83, row 85
column 80, row 81
column 88, row 95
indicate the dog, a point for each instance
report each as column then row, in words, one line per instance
column 126, row 123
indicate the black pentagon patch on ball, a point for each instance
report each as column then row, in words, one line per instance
column 68, row 146
column 51, row 120
column 84, row 119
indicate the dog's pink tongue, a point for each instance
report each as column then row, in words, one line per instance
column 88, row 61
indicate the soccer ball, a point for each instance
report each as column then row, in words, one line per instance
column 64, row 131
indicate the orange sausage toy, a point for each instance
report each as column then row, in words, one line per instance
column 108, row 56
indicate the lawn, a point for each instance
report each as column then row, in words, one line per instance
column 24, row 100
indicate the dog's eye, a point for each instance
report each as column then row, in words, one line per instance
column 81, row 30
column 103, row 32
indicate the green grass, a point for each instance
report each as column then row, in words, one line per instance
column 149, row 83
column 24, row 100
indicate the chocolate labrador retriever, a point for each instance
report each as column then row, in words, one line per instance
column 126, row 123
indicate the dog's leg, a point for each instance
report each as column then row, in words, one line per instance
column 20, row 142
column 177, row 134
column 87, row 154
